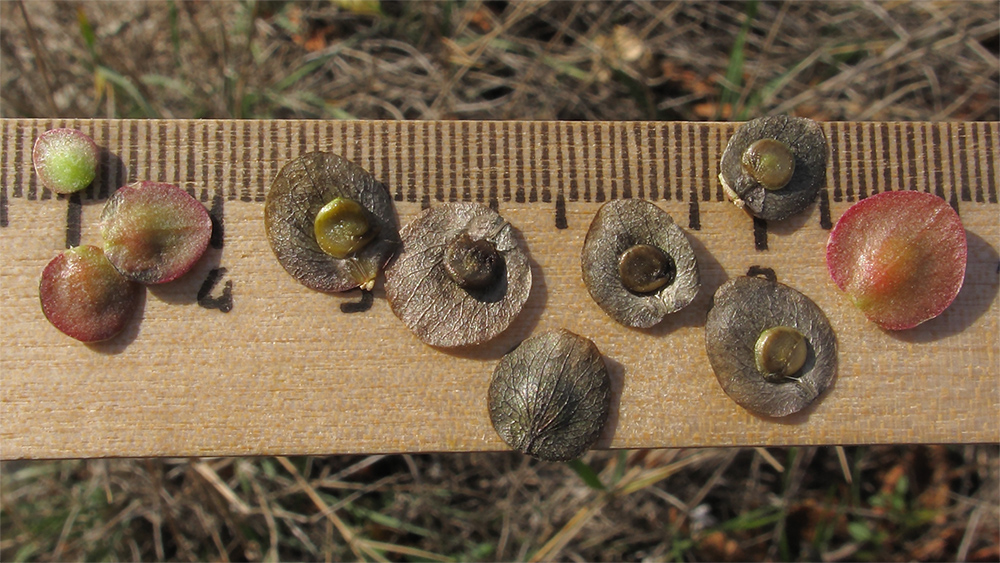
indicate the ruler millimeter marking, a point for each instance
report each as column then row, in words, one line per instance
column 508, row 161
column 261, row 365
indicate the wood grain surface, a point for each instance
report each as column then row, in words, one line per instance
column 236, row 358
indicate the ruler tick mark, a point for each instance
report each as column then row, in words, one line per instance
column 759, row 234
column 411, row 156
column 935, row 176
column 546, row 163
column 20, row 162
column 701, row 162
column 598, row 163
column 655, row 157
column 74, row 221
column 963, row 162
column 825, row 221
column 571, row 136
column 991, row 156
column 884, row 166
column 492, row 136
column 625, row 155
column 838, row 194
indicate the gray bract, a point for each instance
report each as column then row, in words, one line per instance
column 745, row 307
column 426, row 297
column 301, row 189
column 618, row 226
column 804, row 138
column 550, row 397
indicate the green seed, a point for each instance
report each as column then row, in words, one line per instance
column 645, row 268
column 739, row 335
column 769, row 162
column 780, row 352
column 472, row 263
column 342, row 227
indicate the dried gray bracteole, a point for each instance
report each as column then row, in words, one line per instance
column 638, row 264
column 550, row 397
column 775, row 166
column 330, row 223
column 460, row 278
column 772, row 349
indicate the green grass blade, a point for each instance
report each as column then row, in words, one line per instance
column 587, row 474
column 734, row 71
column 87, row 32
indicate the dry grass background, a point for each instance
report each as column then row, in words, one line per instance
column 507, row 60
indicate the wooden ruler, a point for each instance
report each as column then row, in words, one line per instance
column 236, row 358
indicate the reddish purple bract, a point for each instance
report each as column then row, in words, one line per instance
column 154, row 232
column 84, row 296
column 900, row 256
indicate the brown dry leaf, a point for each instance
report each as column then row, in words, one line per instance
column 935, row 548
column 812, row 112
column 988, row 553
column 688, row 79
column 711, row 110
column 482, row 20
column 891, row 478
column 318, row 38
column 722, row 548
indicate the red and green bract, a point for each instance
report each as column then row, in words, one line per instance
column 900, row 256
column 154, row 232
column 85, row 297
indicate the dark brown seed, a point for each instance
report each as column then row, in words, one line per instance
column 299, row 193
column 458, row 240
column 85, row 297
column 550, row 397
column 754, row 175
column 645, row 268
column 744, row 309
column 473, row 264
column 638, row 265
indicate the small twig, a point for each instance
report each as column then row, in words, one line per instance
column 844, row 466
column 770, row 459
column 970, row 533
column 345, row 531
column 272, row 525
column 213, row 479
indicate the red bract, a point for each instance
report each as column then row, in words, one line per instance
column 154, row 232
column 900, row 256
column 84, row 296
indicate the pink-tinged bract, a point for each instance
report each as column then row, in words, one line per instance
column 85, row 297
column 65, row 160
column 154, row 232
column 900, row 256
